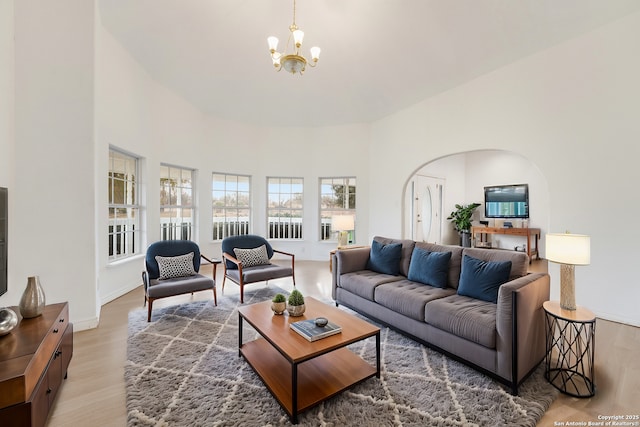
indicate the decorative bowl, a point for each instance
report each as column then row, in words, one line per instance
column 321, row 321
column 8, row 320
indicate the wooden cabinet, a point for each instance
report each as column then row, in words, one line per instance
column 34, row 359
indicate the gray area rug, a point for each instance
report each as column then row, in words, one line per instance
column 183, row 369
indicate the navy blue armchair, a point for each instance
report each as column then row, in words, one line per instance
column 247, row 259
column 171, row 268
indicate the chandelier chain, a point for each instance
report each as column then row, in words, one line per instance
column 293, row 26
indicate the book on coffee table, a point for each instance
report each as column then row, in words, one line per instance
column 313, row 332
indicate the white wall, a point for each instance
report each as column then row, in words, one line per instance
column 6, row 93
column 572, row 111
column 51, row 204
column 136, row 114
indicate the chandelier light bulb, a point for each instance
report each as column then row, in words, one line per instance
column 273, row 43
column 298, row 36
column 315, row 53
column 276, row 59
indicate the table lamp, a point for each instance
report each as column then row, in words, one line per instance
column 568, row 250
column 342, row 224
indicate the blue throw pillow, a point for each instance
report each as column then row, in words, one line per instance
column 430, row 268
column 481, row 279
column 385, row 258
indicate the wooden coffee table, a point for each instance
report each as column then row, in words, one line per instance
column 301, row 374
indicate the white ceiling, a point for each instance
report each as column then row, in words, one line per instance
column 378, row 56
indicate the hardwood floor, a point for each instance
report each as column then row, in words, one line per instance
column 94, row 393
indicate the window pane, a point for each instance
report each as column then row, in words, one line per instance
column 337, row 197
column 176, row 212
column 284, row 203
column 231, row 204
column 123, row 228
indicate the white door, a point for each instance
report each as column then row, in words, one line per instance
column 427, row 209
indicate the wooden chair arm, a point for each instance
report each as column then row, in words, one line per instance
column 284, row 253
column 234, row 260
column 215, row 263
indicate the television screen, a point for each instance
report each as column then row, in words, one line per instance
column 3, row 240
column 506, row 201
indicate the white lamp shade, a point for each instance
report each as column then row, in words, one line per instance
column 273, row 43
column 315, row 53
column 342, row 222
column 566, row 248
column 298, row 36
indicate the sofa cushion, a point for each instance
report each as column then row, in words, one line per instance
column 481, row 279
column 252, row 257
column 385, row 258
column 175, row 266
column 469, row 318
column 408, row 298
column 519, row 260
column 454, row 265
column 169, row 287
column 259, row 273
column 363, row 283
column 407, row 249
column 430, row 268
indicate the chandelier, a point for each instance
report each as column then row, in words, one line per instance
column 292, row 62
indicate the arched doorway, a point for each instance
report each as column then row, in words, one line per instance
column 462, row 178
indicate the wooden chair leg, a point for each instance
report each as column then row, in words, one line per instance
column 149, row 311
column 224, row 279
column 241, row 293
column 215, row 297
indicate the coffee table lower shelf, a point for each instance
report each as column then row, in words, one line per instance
column 318, row 378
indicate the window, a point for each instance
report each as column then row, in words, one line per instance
column 284, row 208
column 176, row 203
column 231, row 205
column 337, row 198
column 124, row 208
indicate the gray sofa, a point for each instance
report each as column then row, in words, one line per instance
column 504, row 339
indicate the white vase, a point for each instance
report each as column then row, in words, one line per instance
column 33, row 299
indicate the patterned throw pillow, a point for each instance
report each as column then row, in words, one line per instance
column 175, row 266
column 252, row 257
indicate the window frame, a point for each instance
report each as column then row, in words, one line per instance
column 174, row 230
column 325, row 232
column 128, row 242
column 240, row 227
column 291, row 230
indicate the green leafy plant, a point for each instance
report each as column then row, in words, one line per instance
column 279, row 298
column 461, row 217
column 296, row 298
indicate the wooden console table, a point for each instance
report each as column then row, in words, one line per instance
column 34, row 358
column 532, row 234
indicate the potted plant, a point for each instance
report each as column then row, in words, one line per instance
column 461, row 219
column 279, row 304
column 295, row 305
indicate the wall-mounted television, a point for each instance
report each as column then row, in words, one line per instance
column 3, row 240
column 506, row 201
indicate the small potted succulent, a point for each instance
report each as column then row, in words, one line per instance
column 295, row 305
column 279, row 304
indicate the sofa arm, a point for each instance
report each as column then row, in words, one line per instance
column 530, row 292
column 349, row 260
column 346, row 261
